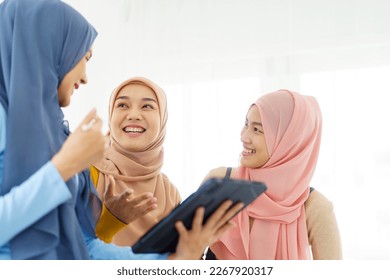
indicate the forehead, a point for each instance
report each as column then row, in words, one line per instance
column 137, row 91
column 254, row 114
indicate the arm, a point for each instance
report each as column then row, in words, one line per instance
column 98, row 250
column 191, row 245
column 108, row 224
column 45, row 189
column 119, row 209
column 324, row 236
column 30, row 201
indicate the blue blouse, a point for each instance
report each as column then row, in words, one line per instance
column 41, row 193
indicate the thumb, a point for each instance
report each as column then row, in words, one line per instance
column 109, row 192
column 90, row 120
column 89, row 117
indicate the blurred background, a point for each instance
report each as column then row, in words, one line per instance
column 214, row 58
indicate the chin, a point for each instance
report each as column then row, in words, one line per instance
column 249, row 164
column 64, row 103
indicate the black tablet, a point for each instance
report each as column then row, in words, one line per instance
column 163, row 237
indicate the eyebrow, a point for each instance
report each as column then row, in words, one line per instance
column 255, row 123
column 143, row 99
column 90, row 55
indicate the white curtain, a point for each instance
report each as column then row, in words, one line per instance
column 215, row 57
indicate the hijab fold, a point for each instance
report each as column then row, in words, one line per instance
column 292, row 127
column 41, row 41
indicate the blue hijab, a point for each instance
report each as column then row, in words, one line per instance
column 40, row 42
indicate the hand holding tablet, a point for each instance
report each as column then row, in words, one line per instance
column 163, row 237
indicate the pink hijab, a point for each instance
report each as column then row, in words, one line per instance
column 140, row 171
column 292, row 127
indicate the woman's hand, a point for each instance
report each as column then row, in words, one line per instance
column 192, row 243
column 84, row 146
column 126, row 206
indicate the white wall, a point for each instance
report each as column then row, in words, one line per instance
column 215, row 57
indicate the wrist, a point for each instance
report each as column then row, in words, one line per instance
column 65, row 169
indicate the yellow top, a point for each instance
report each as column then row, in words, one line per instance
column 108, row 225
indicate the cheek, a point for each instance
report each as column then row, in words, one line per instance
column 262, row 157
column 115, row 124
column 242, row 134
column 155, row 129
column 261, row 146
column 64, row 92
column 154, row 124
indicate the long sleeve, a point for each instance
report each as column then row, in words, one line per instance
column 98, row 250
column 28, row 202
column 108, row 225
column 324, row 236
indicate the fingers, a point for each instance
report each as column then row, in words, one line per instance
column 145, row 202
column 90, row 116
column 219, row 213
column 126, row 195
column 109, row 192
column 91, row 120
column 181, row 229
column 224, row 213
column 231, row 213
column 198, row 218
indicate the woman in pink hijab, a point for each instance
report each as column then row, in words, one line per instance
column 281, row 141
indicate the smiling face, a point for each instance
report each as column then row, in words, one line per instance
column 255, row 153
column 72, row 80
column 135, row 119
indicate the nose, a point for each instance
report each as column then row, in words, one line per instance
column 134, row 114
column 84, row 79
column 245, row 137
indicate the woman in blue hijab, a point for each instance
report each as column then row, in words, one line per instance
column 48, row 207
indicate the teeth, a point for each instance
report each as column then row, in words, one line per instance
column 134, row 129
column 247, row 151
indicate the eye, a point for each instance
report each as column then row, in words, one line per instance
column 88, row 56
column 257, row 130
column 148, row 106
column 121, row 105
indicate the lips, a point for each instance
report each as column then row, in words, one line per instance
column 247, row 151
column 134, row 129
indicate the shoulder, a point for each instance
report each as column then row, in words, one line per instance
column 322, row 228
column 218, row 172
column 318, row 207
column 318, row 201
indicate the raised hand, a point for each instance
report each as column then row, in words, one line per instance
column 84, row 146
column 126, row 206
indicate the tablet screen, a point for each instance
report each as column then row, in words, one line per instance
column 163, row 237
